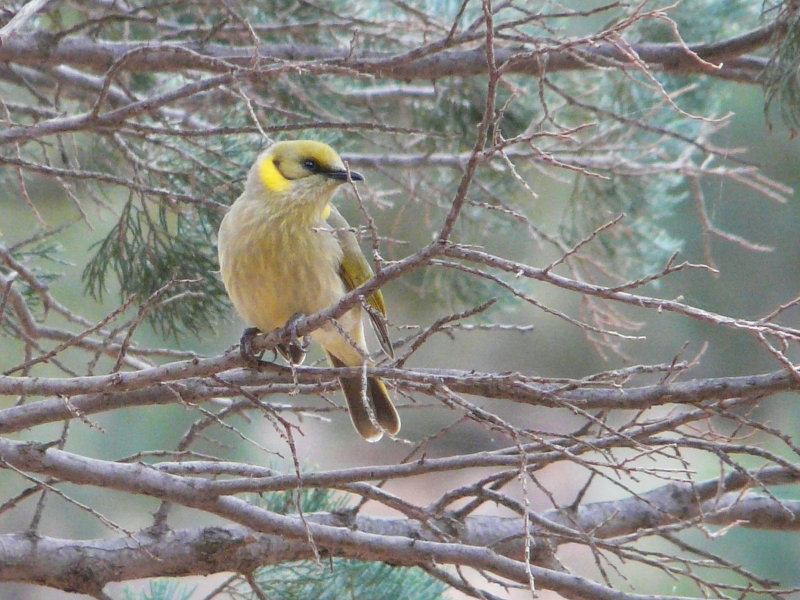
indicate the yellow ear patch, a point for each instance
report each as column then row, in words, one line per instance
column 271, row 177
column 326, row 212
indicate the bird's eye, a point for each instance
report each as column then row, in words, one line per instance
column 311, row 164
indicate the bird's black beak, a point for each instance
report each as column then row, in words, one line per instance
column 341, row 175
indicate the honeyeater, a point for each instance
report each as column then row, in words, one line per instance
column 285, row 251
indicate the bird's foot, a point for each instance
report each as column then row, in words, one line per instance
column 246, row 346
column 295, row 349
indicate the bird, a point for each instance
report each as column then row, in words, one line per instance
column 285, row 251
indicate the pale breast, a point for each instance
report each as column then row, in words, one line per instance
column 272, row 272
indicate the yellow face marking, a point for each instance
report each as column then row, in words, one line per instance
column 271, row 177
column 326, row 212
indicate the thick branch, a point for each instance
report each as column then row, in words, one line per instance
column 25, row 14
column 398, row 541
column 59, row 563
column 101, row 393
column 99, row 55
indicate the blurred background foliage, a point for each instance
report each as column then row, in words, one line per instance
column 148, row 216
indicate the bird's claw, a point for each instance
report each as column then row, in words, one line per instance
column 295, row 349
column 246, row 346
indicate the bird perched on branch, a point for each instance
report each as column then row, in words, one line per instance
column 285, row 251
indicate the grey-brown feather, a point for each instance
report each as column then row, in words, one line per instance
column 382, row 407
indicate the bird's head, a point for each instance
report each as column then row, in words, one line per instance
column 299, row 167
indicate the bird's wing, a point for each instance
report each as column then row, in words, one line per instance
column 355, row 270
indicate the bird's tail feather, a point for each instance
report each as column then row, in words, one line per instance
column 381, row 405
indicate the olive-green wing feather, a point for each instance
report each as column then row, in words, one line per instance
column 354, row 271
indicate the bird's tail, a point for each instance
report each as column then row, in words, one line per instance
column 380, row 403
